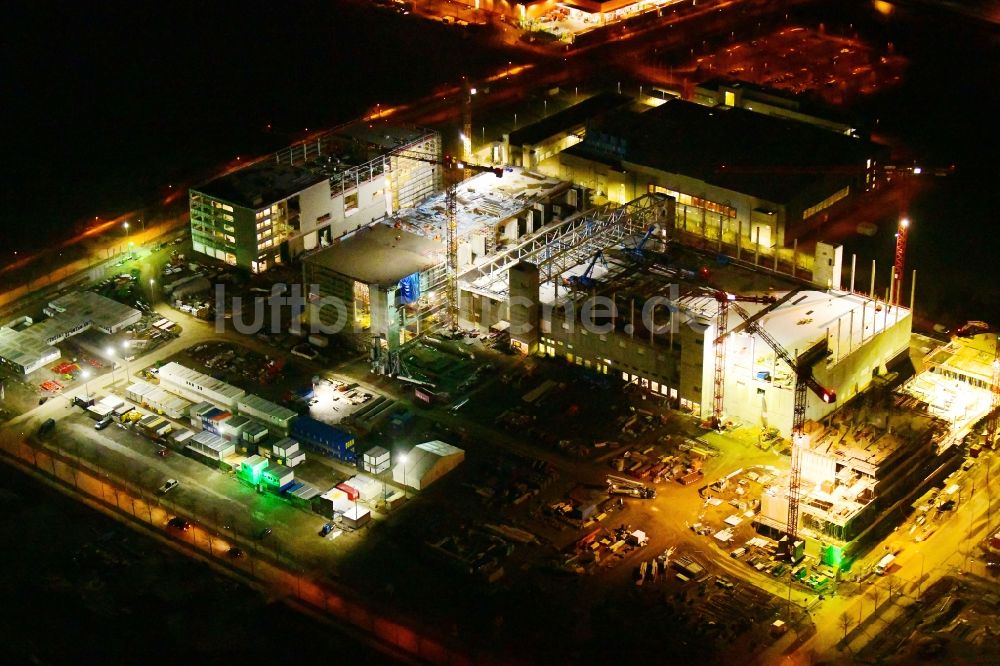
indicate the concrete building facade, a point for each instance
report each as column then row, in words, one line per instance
column 307, row 196
column 722, row 172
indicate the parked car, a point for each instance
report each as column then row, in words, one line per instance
column 235, row 553
column 103, row 423
column 326, row 529
column 163, row 452
column 169, row 485
column 179, row 523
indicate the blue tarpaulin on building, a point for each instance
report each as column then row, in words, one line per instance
column 409, row 289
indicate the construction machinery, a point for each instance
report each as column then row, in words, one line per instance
column 618, row 485
column 585, row 279
column 455, row 171
column 721, row 329
column 900, row 262
column 994, row 416
column 636, row 252
column 805, row 381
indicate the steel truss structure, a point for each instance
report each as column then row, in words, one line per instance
column 559, row 247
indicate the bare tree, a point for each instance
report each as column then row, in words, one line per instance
column 845, row 623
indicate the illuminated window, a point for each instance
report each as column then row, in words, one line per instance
column 350, row 203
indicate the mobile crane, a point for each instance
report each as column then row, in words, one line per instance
column 637, row 252
column 584, row 280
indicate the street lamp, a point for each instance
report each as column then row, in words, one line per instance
column 125, row 347
column 152, row 296
column 110, row 353
column 86, row 385
column 402, row 461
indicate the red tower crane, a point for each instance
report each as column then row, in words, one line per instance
column 805, row 381
column 897, row 269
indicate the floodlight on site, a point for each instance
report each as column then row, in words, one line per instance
column 110, row 351
column 904, row 223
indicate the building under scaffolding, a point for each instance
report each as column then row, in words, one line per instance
column 859, row 464
column 387, row 280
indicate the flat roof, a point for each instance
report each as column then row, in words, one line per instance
column 261, row 184
column 68, row 315
column 967, row 357
column 334, row 155
column 380, row 254
column 813, row 316
column 482, row 201
column 25, row 349
column 266, row 406
column 786, row 98
column 772, row 158
column 98, row 310
column 568, row 119
column 176, row 372
column 385, row 137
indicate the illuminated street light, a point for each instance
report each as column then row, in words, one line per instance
column 110, row 353
column 86, row 385
column 402, row 461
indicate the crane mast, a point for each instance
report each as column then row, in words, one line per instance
column 991, row 424
column 721, row 330
column 454, row 170
column 804, row 381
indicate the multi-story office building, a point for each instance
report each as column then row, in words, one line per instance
column 312, row 193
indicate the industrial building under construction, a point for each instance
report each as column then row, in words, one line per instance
column 743, row 334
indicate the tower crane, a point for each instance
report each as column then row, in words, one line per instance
column 721, row 329
column 454, row 172
column 900, row 262
column 805, row 381
column 991, row 424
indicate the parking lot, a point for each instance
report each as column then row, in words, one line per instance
column 801, row 60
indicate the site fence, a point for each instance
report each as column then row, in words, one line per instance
column 123, row 499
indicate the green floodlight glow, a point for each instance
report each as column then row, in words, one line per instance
column 833, row 555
